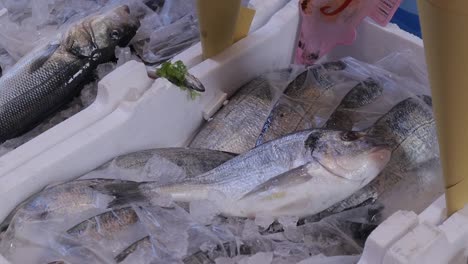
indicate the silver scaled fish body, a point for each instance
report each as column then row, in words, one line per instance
column 46, row 79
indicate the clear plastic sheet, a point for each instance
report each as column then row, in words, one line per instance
column 162, row 231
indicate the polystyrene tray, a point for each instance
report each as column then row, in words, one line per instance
column 164, row 116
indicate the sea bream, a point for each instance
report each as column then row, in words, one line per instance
column 49, row 77
column 281, row 174
column 82, row 197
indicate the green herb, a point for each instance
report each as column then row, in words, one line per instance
column 175, row 73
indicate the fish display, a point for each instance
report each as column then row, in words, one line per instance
column 46, row 79
column 409, row 130
column 284, row 172
column 82, row 197
column 362, row 94
column 236, row 126
column 257, row 184
column 297, row 109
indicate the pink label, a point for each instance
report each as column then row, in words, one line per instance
column 327, row 23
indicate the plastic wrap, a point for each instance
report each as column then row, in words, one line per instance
column 390, row 100
column 382, row 100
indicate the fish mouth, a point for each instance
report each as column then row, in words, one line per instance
column 379, row 155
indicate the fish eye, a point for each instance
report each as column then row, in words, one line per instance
column 115, row 34
column 349, row 136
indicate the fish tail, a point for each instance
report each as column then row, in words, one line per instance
column 123, row 193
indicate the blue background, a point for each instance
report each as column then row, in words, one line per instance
column 406, row 17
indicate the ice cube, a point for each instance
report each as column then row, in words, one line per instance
column 250, row 230
column 104, row 69
column 259, row 258
column 123, row 55
column 291, row 231
column 264, row 221
column 88, row 94
column 203, row 211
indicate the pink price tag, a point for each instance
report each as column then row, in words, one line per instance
column 327, row 23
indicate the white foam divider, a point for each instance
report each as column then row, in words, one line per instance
column 163, row 116
column 407, row 238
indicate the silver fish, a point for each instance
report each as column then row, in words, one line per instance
column 236, row 126
column 364, row 93
column 64, row 201
column 409, row 130
column 188, row 161
column 311, row 157
column 295, row 110
column 46, row 79
column 83, row 196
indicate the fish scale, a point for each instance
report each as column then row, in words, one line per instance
column 47, row 78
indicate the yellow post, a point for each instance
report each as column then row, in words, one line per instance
column 218, row 20
column 445, row 32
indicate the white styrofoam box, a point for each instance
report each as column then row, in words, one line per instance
column 436, row 213
column 163, row 116
column 428, row 238
column 374, row 43
column 388, row 232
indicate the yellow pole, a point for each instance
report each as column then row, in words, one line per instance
column 444, row 26
column 217, row 20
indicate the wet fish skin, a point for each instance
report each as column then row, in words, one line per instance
column 364, row 93
column 235, row 127
column 64, row 200
column 46, row 79
column 193, row 161
column 334, row 150
column 105, row 225
column 313, row 187
column 409, row 130
column 287, row 117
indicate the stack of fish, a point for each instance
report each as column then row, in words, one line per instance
column 300, row 165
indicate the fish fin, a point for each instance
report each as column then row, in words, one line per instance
column 43, row 58
column 275, row 186
column 123, row 193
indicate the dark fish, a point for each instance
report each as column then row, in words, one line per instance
column 361, row 95
column 46, row 79
column 296, row 109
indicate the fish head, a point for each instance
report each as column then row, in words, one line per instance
column 99, row 35
column 348, row 154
